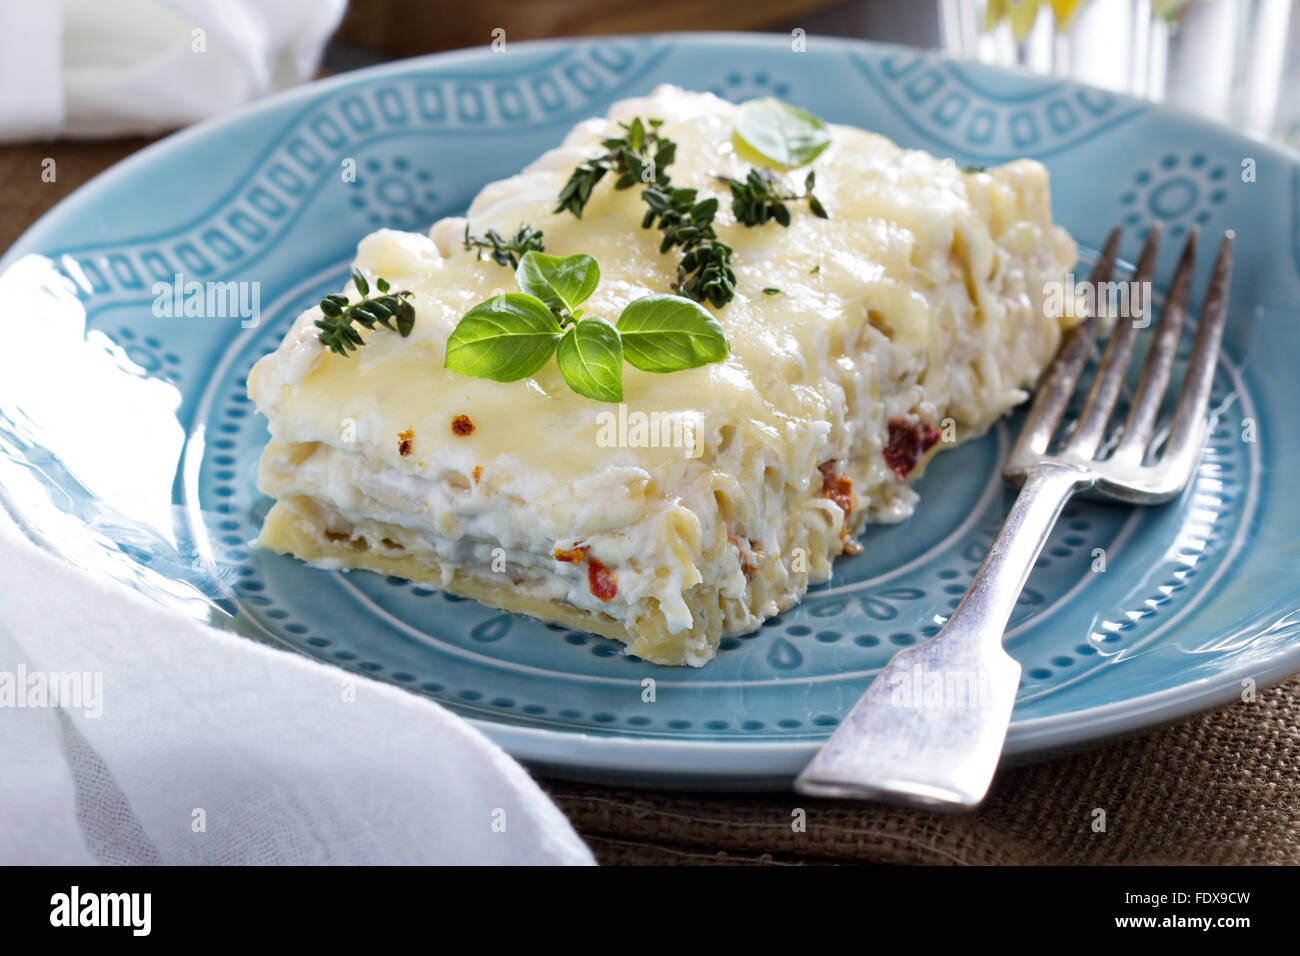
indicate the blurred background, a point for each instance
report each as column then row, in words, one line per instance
column 1235, row 61
column 87, row 68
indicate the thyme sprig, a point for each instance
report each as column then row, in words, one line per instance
column 643, row 155
column 392, row 310
column 640, row 155
column 506, row 252
column 762, row 196
column 704, row 273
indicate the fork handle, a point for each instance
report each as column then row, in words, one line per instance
column 986, row 607
column 905, row 742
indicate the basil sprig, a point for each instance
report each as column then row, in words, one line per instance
column 590, row 357
column 781, row 133
column 664, row 333
column 561, row 282
column 506, row 338
column 513, row 335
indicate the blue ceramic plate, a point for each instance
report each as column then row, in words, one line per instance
column 127, row 443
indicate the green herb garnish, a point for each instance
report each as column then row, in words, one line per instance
column 705, row 272
column 762, row 195
column 642, row 156
column 562, row 283
column 781, row 133
column 590, row 357
column 513, row 335
column 392, row 310
column 771, row 291
column 505, row 252
column 629, row 156
column 667, row 333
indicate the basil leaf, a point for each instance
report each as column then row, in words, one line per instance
column 562, row 282
column 781, row 133
column 506, row 338
column 590, row 357
column 665, row 333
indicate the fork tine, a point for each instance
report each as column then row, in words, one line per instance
column 1106, row 384
column 1053, row 396
column 1185, row 433
column 1159, row 361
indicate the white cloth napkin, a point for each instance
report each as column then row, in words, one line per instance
column 202, row 747
column 188, row 744
column 95, row 68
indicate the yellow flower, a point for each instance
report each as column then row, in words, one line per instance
column 994, row 11
column 1022, row 14
column 1065, row 11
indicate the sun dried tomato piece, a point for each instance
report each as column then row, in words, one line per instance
column 908, row 441
column 837, row 486
column 602, row 581
column 574, row 555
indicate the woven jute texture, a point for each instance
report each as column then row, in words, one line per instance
column 1220, row 788
column 1223, row 787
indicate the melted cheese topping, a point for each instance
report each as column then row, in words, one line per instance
column 920, row 298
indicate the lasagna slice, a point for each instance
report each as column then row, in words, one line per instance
column 710, row 498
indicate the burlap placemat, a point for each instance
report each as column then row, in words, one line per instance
column 1220, row 788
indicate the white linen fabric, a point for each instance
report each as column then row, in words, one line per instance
column 175, row 742
column 91, row 68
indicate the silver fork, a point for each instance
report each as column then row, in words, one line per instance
column 930, row 728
